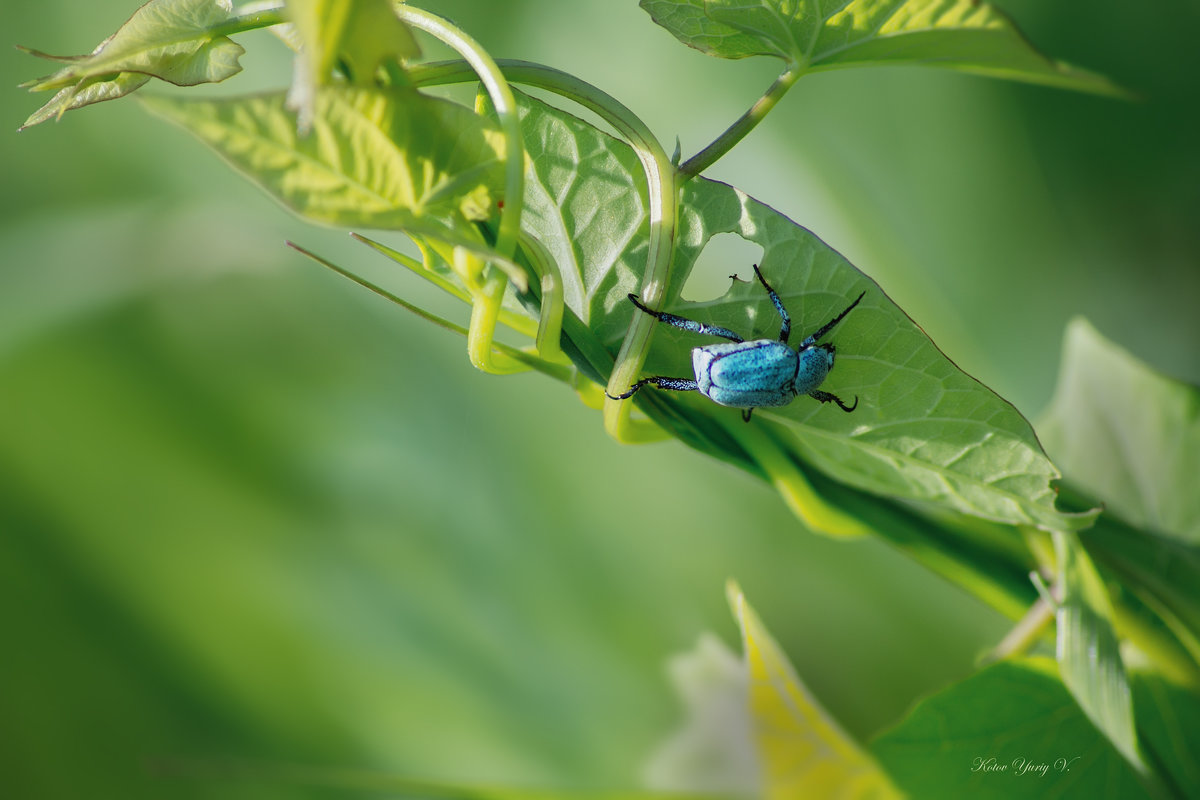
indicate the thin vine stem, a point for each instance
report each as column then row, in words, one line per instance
column 662, row 190
column 486, row 303
column 742, row 127
column 500, row 92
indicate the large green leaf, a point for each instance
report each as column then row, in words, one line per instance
column 1127, row 435
column 376, row 158
column 1011, row 730
column 172, row 40
column 1130, row 437
column 585, row 204
column 924, row 430
column 1169, row 724
column 959, row 34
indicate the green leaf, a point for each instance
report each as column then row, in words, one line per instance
column 173, row 40
column 585, row 203
column 1010, row 730
column 804, row 751
column 85, row 94
column 1127, row 434
column 1169, row 724
column 392, row 159
column 1088, row 652
column 924, row 430
column 362, row 35
column 958, row 34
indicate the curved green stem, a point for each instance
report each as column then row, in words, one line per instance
column 517, row 322
column 552, row 306
column 662, row 191
column 738, row 130
column 797, row 492
column 506, row 110
column 260, row 17
column 487, row 303
column 556, row 371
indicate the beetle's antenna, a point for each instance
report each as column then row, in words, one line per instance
column 829, row 325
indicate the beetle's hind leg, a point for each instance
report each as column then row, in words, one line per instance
column 662, row 382
column 687, row 324
column 826, row 397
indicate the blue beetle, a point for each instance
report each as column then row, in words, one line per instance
column 749, row 375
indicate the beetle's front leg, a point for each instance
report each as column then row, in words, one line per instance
column 662, row 382
column 826, row 397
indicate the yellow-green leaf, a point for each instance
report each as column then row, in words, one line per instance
column 173, row 40
column 804, row 752
column 966, row 35
column 376, row 158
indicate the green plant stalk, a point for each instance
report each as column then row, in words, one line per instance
column 518, row 322
column 506, row 110
column 742, row 127
column 486, row 306
column 557, row 371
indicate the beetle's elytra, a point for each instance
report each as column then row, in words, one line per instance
column 755, row 374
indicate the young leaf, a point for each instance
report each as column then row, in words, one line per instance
column 1088, row 653
column 85, row 94
column 804, row 752
column 1127, row 434
column 171, row 40
column 361, row 34
column 392, row 159
column 966, row 35
column 1010, row 730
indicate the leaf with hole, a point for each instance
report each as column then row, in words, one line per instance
column 924, row 431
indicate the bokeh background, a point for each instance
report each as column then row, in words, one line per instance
column 251, row 514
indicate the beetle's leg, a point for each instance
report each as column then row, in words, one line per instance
column 687, row 324
column 785, row 330
column 826, row 397
column 662, row 382
column 829, row 325
column 746, row 412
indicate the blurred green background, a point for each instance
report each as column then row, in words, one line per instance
column 250, row 513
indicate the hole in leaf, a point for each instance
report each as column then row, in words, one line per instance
column 725, row 254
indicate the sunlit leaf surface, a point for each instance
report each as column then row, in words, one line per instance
column 165, row 39
column 1127, row 434
column 804, row 752
column 958, row 34
column 924, row 430
column 391, row 159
